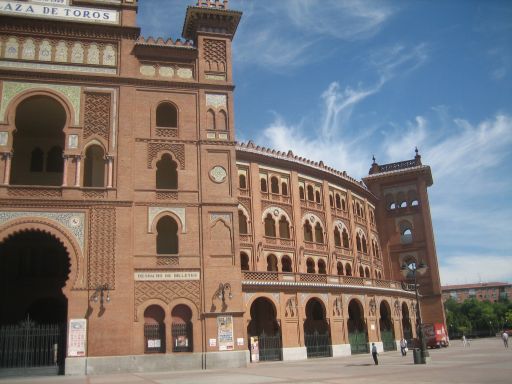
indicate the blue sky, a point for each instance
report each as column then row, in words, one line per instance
column 340, row 81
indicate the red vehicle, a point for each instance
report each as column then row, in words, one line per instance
column 435, row 335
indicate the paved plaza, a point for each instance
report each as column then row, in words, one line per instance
column 485, row 361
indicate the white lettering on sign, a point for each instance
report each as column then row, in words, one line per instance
column 80, row 14
column 166, row 276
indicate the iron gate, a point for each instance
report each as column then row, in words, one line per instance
column 182, row 337
column 30, row 345
column 358, row 342
column 154, row 338
column 317, row 344
column 270, row 347
column 388, row 340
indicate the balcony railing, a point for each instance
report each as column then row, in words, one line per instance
column 319, row 278
column 245, row 238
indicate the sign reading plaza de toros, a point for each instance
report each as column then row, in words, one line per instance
column 58, row 9
column 166, row 276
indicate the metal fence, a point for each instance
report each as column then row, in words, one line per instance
column 318, row 345
column 182, row 337
column 358, row 342
column 28, row 344
column 270, row 347
column 154, row 338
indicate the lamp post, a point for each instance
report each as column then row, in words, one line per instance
column 408, row 270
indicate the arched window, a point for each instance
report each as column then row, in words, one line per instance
column 380, row 275
column 182, row 329
column 319, row 234
column 167, row 236
column 263, row 185
column 348, row 269
column 321, row 267
column 166, row 173
column 311, row 194
column 154, row 329
column 308, row 231
column 301, row 192
column 270, row 226
column 358, row 243
column 241, row 181
column 415, row 203
column 244, row 261
column 317, row 197
column 364, row 244
column 338, row 201
column 361, row 271
column 331, row 201
column 271, row 263
column 344, row 236
column 94, row 167
column 284, row 189
column 337, row 237
column 343, row 205
column 392, row 205
column 54, row 160
column 223, row 121
column 339, row 268
column 367, row 272
column 405, row 232
column 284, row 228
column 310, row 265
column 403, row 204
column 36, row 160
column 166, row 116
column 274, row 185
column 242, row 223
column 286, row 264
column 210, row 120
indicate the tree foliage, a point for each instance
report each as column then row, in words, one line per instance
column 473, row 316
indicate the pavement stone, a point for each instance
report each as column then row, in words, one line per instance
column 486, row 361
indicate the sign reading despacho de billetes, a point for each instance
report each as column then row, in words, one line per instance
column 166, row 276
column 58, row 11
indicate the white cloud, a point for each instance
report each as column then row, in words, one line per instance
column 472, row 268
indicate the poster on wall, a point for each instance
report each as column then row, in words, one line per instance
column 255, row 349
column 77, row 337
column 225, row 333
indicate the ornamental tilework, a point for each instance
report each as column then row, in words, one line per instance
column 216, row 100
column 102, row 238
column 72, row 221
column 155, row 211
column 97, row 114
column 11, row 89
column 167, row 291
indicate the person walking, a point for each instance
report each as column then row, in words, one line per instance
column 403, row 347
column 463, row 340
column 375, row 354
column 504, row 337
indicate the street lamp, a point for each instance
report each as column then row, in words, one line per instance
column 411, row 270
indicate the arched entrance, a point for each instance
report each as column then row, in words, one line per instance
column 387, row 332
column 317, row 335
column 265, row 327
column 357, row 330
column 182, row 329
column 154, row 329
column 33, row 311
column 406, row 324
column 38, row 142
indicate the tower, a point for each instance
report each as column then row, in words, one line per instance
column 406, row 234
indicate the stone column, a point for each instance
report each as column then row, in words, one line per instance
column 110, row 160
column 78, row 160
column 7, row 169
column 65, row 171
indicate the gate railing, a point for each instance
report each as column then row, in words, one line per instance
column 154, row 338
column 358, row 342
column 318, row 344
column 28, row 344
column 182, row 337
column 388, row 340
column 270, row 347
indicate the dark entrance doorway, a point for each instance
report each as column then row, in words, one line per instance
column 317, row 335
column 357, row 330
column 387, row 332
column 33, row 310
column 406, row 325
column 264, row 325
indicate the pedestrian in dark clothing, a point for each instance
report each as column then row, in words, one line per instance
column 375, row 354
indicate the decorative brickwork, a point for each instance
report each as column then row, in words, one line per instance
column 166, row 132
column 95, row 194
column 166, row 195
column 34, row 192
column 102, row 237
column 166, row 291
column 167, row 260
column 178, row 150
column 215, row 55
column 97, row 115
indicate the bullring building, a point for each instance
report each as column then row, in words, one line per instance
column 136, row 234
